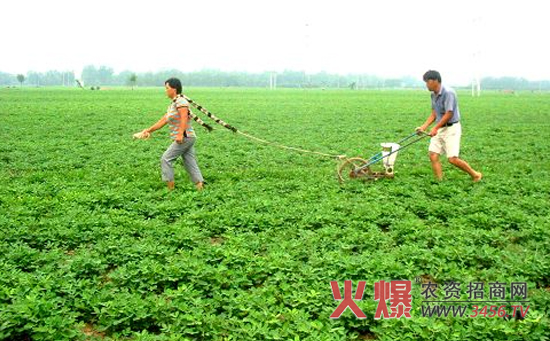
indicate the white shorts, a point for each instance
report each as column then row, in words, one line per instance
column 447, row 141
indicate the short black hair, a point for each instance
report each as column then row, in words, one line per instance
column 432, row 74
column 174, row 83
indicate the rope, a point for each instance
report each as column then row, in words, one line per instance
column 332, row 156
column 199, row 121
column 210, row 115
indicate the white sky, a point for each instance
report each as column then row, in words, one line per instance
column 387, row 38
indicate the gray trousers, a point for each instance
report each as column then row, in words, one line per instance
column 187, row 152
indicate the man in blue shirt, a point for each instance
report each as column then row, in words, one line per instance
column 447, row 130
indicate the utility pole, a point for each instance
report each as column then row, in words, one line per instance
column 273, row 80
column 476, row 82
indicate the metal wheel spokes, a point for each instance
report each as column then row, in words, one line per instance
column 348, row 170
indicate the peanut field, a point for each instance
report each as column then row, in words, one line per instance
column 94, row 247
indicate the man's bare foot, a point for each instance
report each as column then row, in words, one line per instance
column 477, row 177
column 200, row 186
column 170, row 185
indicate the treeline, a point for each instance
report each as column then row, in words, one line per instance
column 512, row 83
column 105, row 76
column 49, row 78
column 102, row 76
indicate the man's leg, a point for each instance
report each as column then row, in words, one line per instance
column 463, row 165
column 436, row 166
column 452, row 145
column 436, row 148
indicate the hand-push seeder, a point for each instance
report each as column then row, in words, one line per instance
column 359, row 168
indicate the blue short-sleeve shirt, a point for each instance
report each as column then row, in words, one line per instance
column 444, row 101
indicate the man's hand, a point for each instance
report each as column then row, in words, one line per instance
column 179, row 140
column 434, row 131
column 420, row 130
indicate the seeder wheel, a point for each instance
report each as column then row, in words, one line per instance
column 347, row 170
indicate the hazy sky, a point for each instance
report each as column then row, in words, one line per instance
column 385, row 38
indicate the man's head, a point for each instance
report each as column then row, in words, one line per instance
column 173, row 87
column 432, row 79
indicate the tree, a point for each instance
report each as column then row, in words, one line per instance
column 7, row 79
column 105, row 75
column 133, row 80
column 89, row 75
column 21, row 79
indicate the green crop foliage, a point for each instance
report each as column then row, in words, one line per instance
column 93, row 247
